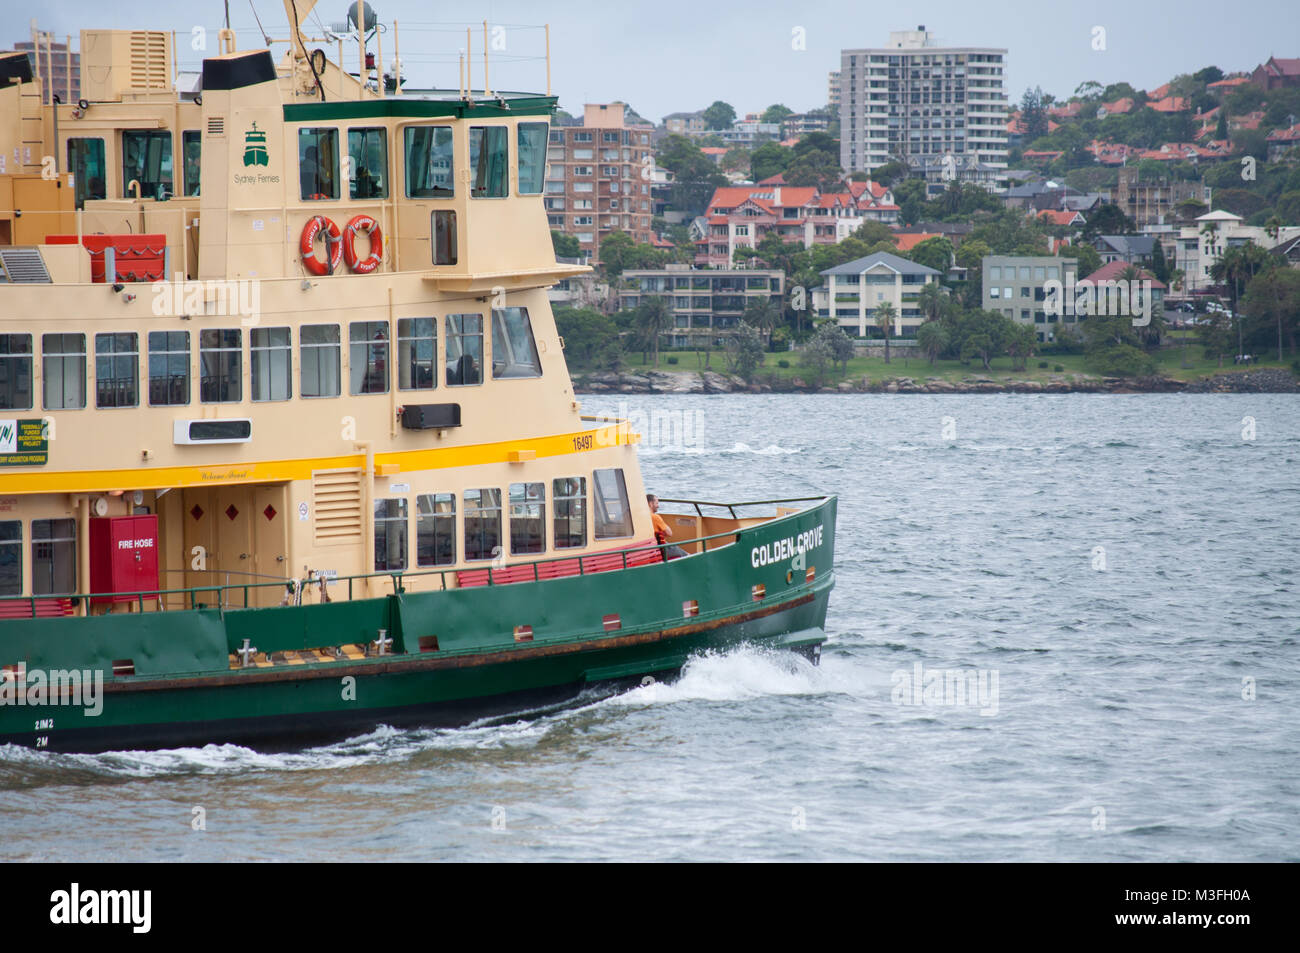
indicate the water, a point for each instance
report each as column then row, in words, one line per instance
column 1121, row 731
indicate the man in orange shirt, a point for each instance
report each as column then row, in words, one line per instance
column 662, row 532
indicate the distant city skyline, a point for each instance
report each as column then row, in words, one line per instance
column 675, row 56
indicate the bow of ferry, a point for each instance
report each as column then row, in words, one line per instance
column 288, row 445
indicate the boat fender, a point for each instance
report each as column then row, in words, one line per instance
column 363, row 223
column 333, row 245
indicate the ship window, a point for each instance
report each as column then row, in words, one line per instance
column 221, row 366
column 482, row 524
column 435, row 529
column 390, row 535
column 169, row 367
column 368, row 357
column 117, row 370
column 11, row 558
column 320, row 360
column 429, row 162
column 191, row 154
column 569, row 496
column 368, row 168
column 86, row 163
column 417, row 353
column 613, row 515
column 527, row 518
column 532, row 157
column 464, row 349
column 489, row 157
column 147, row 159
column 15, row 371
column 63, row 371
column 54, row 557
column 318, row 163
column 513, row 352
column 443, row 227
column 270, row 354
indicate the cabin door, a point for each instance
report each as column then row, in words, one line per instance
column 198, row 513
column 270, row 541
column 233, row 515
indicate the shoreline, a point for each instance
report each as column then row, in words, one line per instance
column 1265, row 381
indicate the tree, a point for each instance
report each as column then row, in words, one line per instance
column 719, row 116
column 1088, row 258
column 932, row 339
column 776, row 113
column 815, row 168
column 652, row 319
column 768, row 160
column 1214, row 334
column 1033, row 114
column 744, row 349
column 818, row 356
column 695, row 176
column 591, row 339
column 889, row 173
column 1235, row 268
column 1273, row 297
column 1020, row 342
column 930, row 300
column 1221, row 127
column 841, row 345
column 872, row 233
column 934, row 253
column 1210, row 74
column 1108, row 219
column 566, row 246
column 762, row 316
column 885, row 315
column 1159, row 265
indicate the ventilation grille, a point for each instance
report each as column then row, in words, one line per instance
column 23, row 266
column 149, row 66
column 216, row 125
column 336, row 495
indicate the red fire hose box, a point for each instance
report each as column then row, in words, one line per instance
column 123, row 557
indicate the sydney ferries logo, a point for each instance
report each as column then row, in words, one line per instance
column 255, row 147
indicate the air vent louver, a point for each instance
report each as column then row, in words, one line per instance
column 23, row 266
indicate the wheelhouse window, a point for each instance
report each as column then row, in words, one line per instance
column 569, row 498
column 390, row 535
column 368, row 152
column 442, row 225
column 54, row 557
column 147, row 159
column 612, row 513
column 221, row 366
column 429, row 162
column 11, row 558
column 417, row 353
column 63, row 371
column 368, row 357
column 532, row 157
column 117, row 370
column 318, row 164
column 482, row 524
column 489, row 159
column 435, row 529
column 321, row 355
column 86, row 163
column 270, row 355
column 16, row 389
column 514, row 353
column 169, row 368
column 191, row 151
column 464, row 349
column 527, row 518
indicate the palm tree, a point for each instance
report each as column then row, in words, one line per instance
column 885, row 315
column 652, row 319
column 932, row 340
column 930, row 300
column 1236, row 268
column 760, row 314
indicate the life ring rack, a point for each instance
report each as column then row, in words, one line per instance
column 333, row 245
column 367, row 224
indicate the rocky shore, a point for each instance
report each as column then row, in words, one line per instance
column 1268, row 381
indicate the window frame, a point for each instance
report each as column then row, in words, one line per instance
column 355, row 166
column 167, row 352
column 318, row 347
column 14, row 543
column 113, row 356
column 67, row 545
column 507, row 342
column 407, row 135
column 270, row 351
column 15, row 360
column 480, row 508
column 223, row 374
column 48, row 355
column 408, row 355
column 168, row 154
column 539, row 176
column 457, row 336
column 480, row 167
column 432, row 517
column 565, row 502
column 394, row 516
column 600, row 506
column 331, row 134
column 535, row 504
column 368, row 360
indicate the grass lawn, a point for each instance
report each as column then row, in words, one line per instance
column 904, row 364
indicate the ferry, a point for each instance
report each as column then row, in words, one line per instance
column 288, row 446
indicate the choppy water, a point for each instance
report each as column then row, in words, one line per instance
column 1120, row 733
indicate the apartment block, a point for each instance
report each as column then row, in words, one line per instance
column 1153, row 201
column 1016, row 286
column 941, row 110
column 594, row 179
column 857, row 289
column 833, row 89
column 706, row 304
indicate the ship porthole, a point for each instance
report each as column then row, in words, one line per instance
column 789, row 577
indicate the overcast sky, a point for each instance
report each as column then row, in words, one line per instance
column 678, row 55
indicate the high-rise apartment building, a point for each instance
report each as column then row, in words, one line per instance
column 594, row 179
column 833, row 89
column 919, row 103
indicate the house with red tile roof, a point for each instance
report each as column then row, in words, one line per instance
column 1066, row 110
column 1170, row 104
column 1282, row 141
column 1227, row 84
column 1041, row 157
column 1160, row 92
column 1065, row 217
column 1120, row 107
column 1249, row 121
column 1277, row 74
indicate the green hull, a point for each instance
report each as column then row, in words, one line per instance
column 184, row 692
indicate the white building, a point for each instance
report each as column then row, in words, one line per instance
column 854, row 290
column 1201, row 245
column 916, row 102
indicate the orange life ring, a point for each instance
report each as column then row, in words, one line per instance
column 370, row 227
column 333, row 245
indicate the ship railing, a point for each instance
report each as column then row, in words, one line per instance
column 587, row 564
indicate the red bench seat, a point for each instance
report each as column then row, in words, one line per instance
column 45, row 608
column 638, row 554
